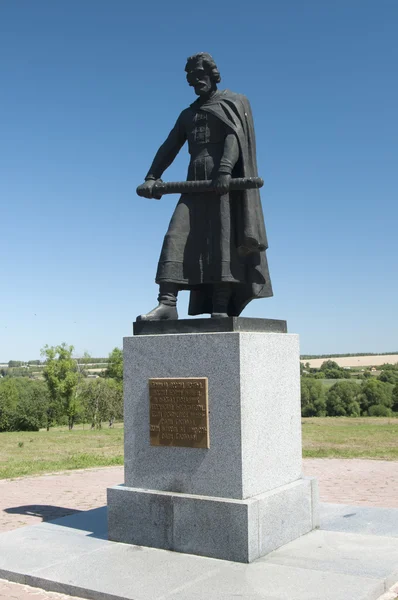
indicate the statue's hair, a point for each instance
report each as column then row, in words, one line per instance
column 208, row 61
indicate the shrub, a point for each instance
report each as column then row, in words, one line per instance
column 379, row 410
column 389, row 376
column 395, row 398
column 342, row 400
column 375, row 392
column 312, row 398
column 23, row 404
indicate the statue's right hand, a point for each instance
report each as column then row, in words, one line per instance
column 145, row 189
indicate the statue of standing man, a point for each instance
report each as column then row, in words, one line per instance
column 216, row 241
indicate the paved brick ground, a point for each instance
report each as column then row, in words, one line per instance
column 30, row 500
column 355, row 481
column 15, row 591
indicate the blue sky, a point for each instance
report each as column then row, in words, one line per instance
column 88, row 92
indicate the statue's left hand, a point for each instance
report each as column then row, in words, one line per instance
column 221, row 183
column 145, row 190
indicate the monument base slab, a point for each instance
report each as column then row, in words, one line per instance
column 224, row 528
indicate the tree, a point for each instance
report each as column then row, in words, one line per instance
column 333, row 371
column 23, row 404
column 395, row 398
column 61, row 375
column 329, row 365
column 341, row 400
column 8, row 404
column 312, row 398
column 389, row 367
column 115, row 401
column 115, row 365
column 375, row 392
column 102, row 400
column 319, row 375
column 31, row 410
column 389, row 376
column 378, row 410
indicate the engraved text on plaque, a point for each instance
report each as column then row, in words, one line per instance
column 178, row 412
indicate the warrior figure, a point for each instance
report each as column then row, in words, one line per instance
column 216, row 241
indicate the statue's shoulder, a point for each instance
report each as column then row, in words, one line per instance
column 234, row 96
column 240, row 101
column 185, row 113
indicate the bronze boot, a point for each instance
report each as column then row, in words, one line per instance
column 221, row 296
column 167, row 307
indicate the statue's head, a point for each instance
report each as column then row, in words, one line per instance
column 202, row 73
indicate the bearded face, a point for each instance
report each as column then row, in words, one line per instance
column 198, row 76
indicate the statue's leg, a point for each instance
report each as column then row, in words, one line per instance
column 221, row 297
column 167, row 307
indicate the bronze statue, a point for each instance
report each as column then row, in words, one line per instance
column 216, row 241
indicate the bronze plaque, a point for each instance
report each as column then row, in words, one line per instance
column 178, row 412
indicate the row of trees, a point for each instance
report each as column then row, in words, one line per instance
column 310, row 356
column 34, row 368
column 328, row 370
column 31, row 363
column 372, row 398
column 65, row 396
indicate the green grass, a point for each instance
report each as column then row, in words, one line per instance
column 344, row 437
column 28, row 453
column 329, row 382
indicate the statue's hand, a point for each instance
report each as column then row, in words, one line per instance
column 221, row 183
column 145, row 189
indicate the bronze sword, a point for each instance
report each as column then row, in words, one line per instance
column 162, row 188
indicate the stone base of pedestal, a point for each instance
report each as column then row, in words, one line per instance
column 240, row 495
column 235, row 530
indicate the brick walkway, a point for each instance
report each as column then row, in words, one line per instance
column 355, row 481
column 30, row 500
column 16, row 591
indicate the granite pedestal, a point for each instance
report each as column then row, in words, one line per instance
column 242, row 497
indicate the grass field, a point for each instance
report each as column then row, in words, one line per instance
column 327, row 383
column 27, row 453
column 344, row 437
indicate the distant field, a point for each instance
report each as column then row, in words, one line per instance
column 355, row 361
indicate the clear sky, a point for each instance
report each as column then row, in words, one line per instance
column 89, row 90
